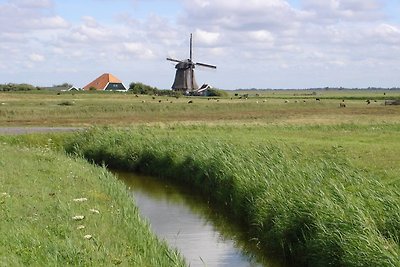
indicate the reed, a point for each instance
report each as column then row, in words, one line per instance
column 312, row 210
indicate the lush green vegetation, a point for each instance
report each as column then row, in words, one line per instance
column 42, row 193
column 217, row 92
column 144, row 89
column 311, row 180
column 314, row 208
column 17, row 87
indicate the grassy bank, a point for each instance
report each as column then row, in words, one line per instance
column 312, row 207
column 42, row 196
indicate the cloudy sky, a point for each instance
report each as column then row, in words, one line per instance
column 254, row 43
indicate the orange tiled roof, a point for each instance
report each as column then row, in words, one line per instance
column 101, row 82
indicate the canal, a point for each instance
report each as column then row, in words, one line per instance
column 182, row 218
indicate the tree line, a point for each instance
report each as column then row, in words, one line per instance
column 18, row 87
column 134, row 87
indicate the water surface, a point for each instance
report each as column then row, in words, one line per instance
column 181, row 217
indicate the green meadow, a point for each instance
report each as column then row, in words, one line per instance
column 265, row 107
column 58, row 210
column 313, row 182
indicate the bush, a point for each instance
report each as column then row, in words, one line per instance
column 143, row 89
column 217, row 92
column 17, row 87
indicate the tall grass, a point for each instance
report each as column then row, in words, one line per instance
column 317, row 212
column 37, row 209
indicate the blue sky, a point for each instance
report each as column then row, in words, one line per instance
column 106, row 10
column 254, row 43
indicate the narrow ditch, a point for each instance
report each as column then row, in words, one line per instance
column 202, row 235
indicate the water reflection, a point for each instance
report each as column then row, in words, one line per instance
column 203, row 236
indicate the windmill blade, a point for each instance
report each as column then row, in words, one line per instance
column 174, row 60
column 206, row 65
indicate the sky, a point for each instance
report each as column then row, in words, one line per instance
column 254, row 43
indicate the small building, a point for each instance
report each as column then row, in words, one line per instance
column 73, row 88
column 106, row 82
column 202, row 91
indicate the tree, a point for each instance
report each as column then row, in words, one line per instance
column 217, row 92
column 143, row 89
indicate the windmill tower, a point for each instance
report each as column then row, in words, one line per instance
column 184, row 77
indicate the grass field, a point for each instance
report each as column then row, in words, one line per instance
column 120, row 109
column 311, row 180
column 42, row 193
column 315, row 208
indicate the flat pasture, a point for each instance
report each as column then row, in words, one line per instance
column 314, row 175
column 367, row 134
column 125, row 109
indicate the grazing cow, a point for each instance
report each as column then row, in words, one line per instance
column 286, row 101
column 317, row 99
column 190, row 102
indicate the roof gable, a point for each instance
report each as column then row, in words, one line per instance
column 102, row 81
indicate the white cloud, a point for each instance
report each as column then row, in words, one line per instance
column 139, row 50
column 36, row 57
column 55, row 22
column 261, row 36
column 315, row 41
column 386, row 33
column 353, row 10
column 205, row 37
column 26, row 15
column 33, row 3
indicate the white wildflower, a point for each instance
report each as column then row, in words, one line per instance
column 82, row 199
column 80, row 227
column 88, row 237
column 78, row 217
column 95, row 211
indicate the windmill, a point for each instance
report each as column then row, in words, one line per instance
column 184, row 77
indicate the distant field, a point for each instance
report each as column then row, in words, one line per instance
column 268, row 107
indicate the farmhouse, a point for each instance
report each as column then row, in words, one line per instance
column 106, row 81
